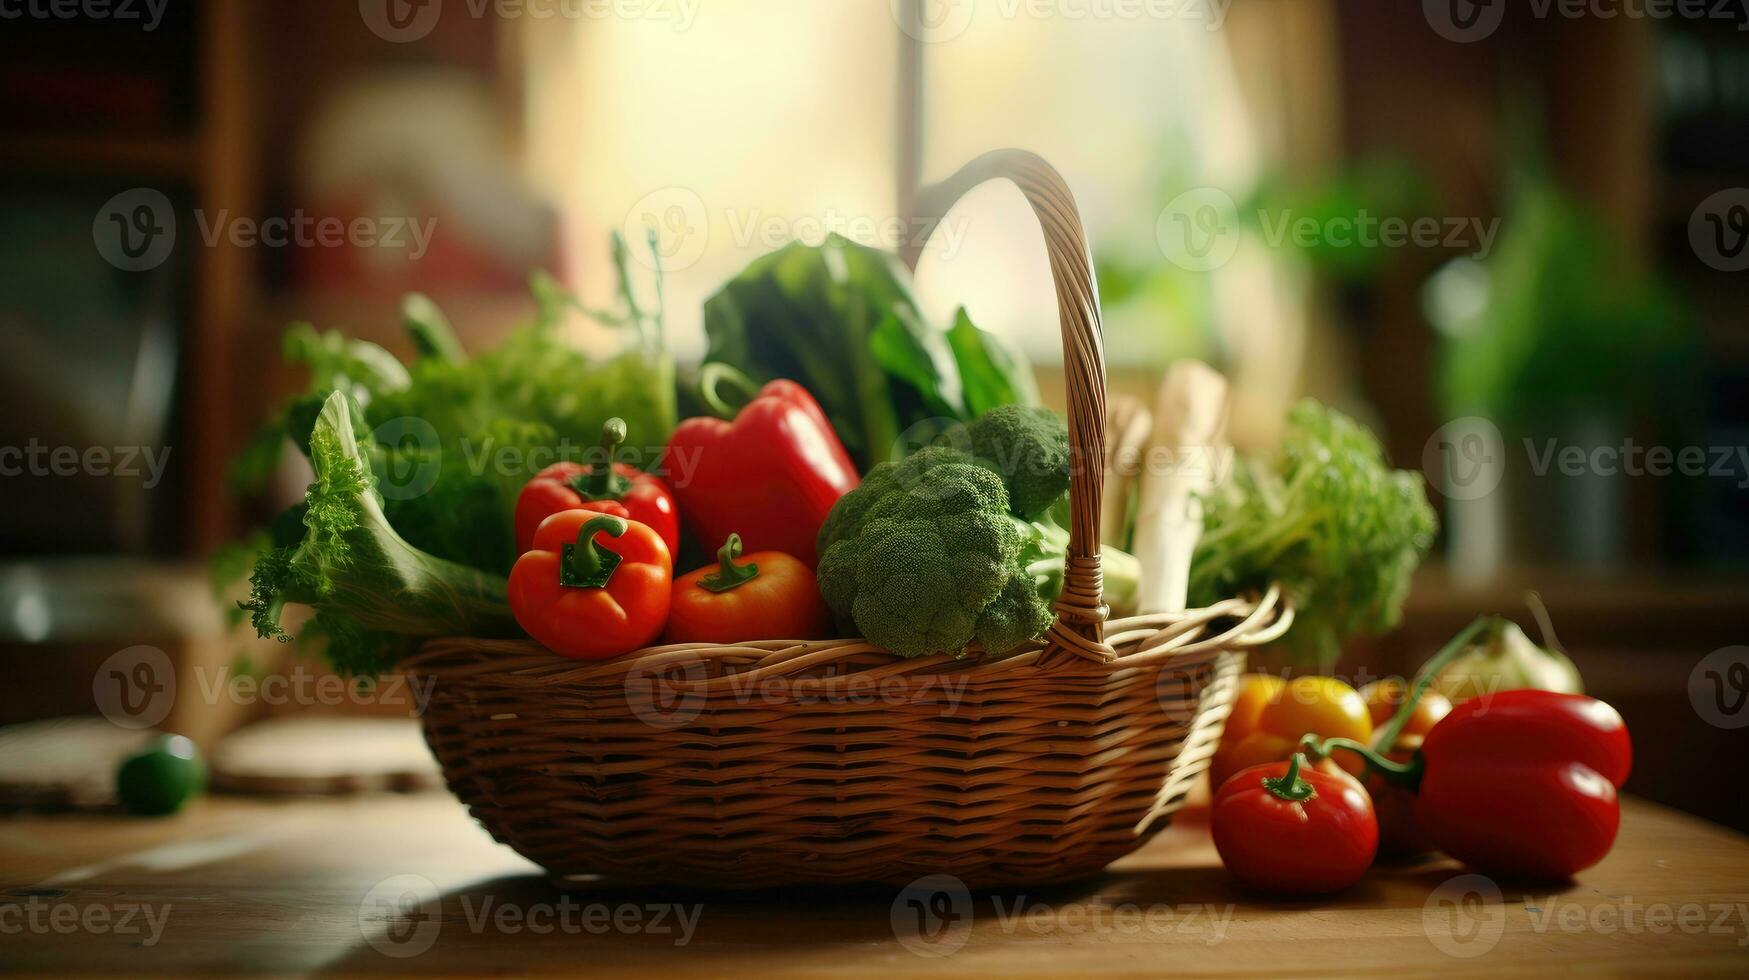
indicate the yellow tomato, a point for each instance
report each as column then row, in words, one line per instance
column 1270, row 716
column 1256, row 691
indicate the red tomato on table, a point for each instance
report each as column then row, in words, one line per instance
column 1290, row 829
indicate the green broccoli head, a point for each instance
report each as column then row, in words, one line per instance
column 851, row 511
column 1016, row 615
column 917, row 563
column 1028, row 447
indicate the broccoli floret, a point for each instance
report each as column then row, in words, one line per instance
column 933, row 548
column 931, row 553
column 851, row 511
column 1017, row 614
column 1028, row 447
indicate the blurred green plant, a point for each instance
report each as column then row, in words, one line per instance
column 1156, row 312
column 1556, row 320
column 1373, row 189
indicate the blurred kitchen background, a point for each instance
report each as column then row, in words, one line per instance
column 1570, row 273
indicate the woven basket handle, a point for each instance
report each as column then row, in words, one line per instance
column 1081, row 612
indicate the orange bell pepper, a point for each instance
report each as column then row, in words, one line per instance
column 593, row 585
column 770, row 596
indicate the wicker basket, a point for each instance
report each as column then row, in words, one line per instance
column 789, row 761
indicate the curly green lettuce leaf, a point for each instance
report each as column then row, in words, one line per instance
column 354, row 568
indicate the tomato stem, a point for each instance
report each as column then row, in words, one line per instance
column 1404, row 774
column 1289, row 786
column 586, row 564
column 1387, row 738
column 603, row 482
column 729, row 575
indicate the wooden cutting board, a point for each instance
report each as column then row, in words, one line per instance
column 64, row 763
column 325, row 755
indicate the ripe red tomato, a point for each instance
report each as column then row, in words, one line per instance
column 1311, row 834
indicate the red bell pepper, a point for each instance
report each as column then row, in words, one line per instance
column 622, row 491
column 593, row 586
column 772, row 475
column 1516, row 783
column 1524, row 782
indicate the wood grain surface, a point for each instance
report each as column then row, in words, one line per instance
column 410, row 884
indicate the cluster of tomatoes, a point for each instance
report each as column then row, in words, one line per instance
column 1519, row 782
column 1271, row 839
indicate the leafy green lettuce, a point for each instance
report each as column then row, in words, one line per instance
column 454, row 439
column 408, row 529
column 840, row 319
column 367, row 582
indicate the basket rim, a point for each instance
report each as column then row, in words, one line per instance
column 1147, row 640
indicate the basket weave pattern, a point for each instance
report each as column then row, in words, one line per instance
column 786, row 761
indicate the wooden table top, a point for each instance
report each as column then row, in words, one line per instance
column 409, row 883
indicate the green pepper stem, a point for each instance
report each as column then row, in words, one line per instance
column 1387, row 738
column 602, row 482
column 586, row 564
column 1289, row 786
column 1404, row 774
column 715, row 373
column 728, row 574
